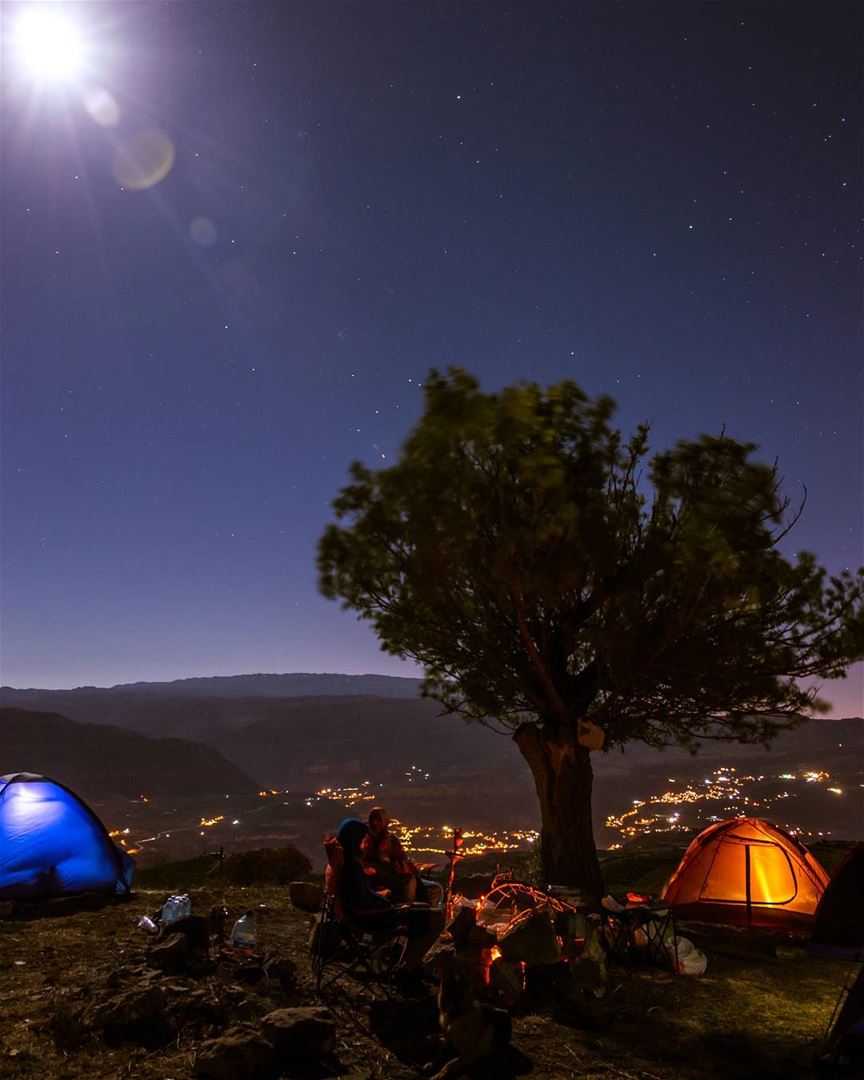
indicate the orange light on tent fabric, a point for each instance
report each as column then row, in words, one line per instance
column 747, row 872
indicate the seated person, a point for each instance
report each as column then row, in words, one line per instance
column 382, row 852
column 368, row 910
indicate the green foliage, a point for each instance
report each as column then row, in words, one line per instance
column 264, row 866
column 540, row 567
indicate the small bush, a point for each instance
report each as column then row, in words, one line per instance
column 267, row 866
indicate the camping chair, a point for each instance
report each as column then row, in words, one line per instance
column 340, row 948
column 643, row 931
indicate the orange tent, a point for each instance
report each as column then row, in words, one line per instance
column 747, row 872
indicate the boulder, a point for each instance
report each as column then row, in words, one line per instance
column 588, row 970
column 280, row 968
column 170, row 954
column 240, row 1054
column 306, row 896
column 301, row 1032
column 505, row 981
column 432, row 959
column 480, row 937
column 196, row 930
column 530, row 938
column 137, row 1015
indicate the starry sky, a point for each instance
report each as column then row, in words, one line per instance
column 232, row 252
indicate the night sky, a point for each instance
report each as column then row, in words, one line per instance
column 660, row 200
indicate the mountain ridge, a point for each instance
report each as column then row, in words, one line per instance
column 102, row 761
column 259, row 684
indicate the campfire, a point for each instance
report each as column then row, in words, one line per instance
column 511, row 929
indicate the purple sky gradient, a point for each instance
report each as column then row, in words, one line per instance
column 660, row 200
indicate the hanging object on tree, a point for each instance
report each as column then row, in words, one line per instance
column 589, row 735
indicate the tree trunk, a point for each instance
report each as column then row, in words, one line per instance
column 563, row 777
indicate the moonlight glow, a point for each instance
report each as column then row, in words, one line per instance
column 49, row 46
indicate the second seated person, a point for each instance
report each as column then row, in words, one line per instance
column 382, row 852
column 369, row 910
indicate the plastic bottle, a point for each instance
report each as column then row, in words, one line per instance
column 174, row 908
column 243, row 936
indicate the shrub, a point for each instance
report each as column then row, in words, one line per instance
column 266, row 866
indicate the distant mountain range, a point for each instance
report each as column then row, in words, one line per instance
column 102, row 762
column 294, row 684
column 340, row 733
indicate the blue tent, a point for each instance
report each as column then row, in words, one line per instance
column 52, row 844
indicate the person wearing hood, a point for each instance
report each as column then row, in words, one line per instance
column 382, row 852
column 369, row 910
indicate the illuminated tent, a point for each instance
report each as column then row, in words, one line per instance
column 52, row 844
column 839, row 927
column 747, row 872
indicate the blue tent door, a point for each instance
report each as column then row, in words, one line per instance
column 52, row 844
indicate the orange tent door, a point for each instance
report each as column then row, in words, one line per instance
column 748, row 872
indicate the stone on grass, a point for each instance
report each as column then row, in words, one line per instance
column 301, row 1032
column 239, row 1054
column 170, row 954
column 306, row 896
column 137, row 1015
column 196, row 930
column 277, row 966
column 432, row 960
column 531, row 939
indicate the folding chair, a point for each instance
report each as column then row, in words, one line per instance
column 340, row 948
column 646, row 931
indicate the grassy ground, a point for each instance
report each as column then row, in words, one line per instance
column 750, row 1015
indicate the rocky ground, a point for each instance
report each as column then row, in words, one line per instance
column 79, row 997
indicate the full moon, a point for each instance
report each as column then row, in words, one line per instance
column 49, row 47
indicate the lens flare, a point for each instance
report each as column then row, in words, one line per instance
column 144, row 160
column 203, row 231
column 49, row 46
column 102, row 106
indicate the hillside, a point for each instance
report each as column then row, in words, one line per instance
column 292, row 684
column 103, row 763
column 436, row 769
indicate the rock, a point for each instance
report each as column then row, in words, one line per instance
column 240, row 1054
column 531, row 938
column 196, row 930
column 480, row 937
column 505, row 981
column 432, row 960
column 306, row 896
column 460, row 927
column 171, row 954
column 138, row 1014
column 303, row 1032
column 279, row 968
column 588, row 970
column 250, row 972
column 790, row 952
